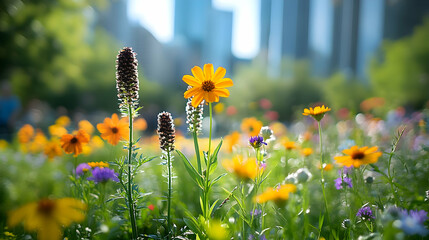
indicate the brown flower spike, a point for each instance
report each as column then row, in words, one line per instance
column 166, row 131
column 127, row 82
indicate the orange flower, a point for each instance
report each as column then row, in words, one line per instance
column 289, row 145
column 245, row 169
column 57, row 130
column 53, row 149
column 231, row 140
column 317, row 113
column 87, row 126
column 38, row 143
column 63, row 121
column 251, row 126
column 358, row 156
column 326, row 166
column 140, row 124
column 113, row 129
column 98, row 164
column 25, row 133
column 279, row 195
column 207, row 85
column 306, row 152
column 73, row 143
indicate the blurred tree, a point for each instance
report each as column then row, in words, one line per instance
column 340, row 92
column 288, row 95
column 53, row 50
column 401, row 76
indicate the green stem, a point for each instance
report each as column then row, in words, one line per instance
column 206, row 185
column 197, row 150
column 169, row 195
column 129, row 192
column 321, row 171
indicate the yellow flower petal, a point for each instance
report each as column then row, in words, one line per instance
column 208, row 71
column 219, row 74
column 223, row 83
column 191, row 81
column 198, row 73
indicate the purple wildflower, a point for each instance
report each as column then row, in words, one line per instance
column 412, row 222
column 102, row 175
column 82, row 169
column 345, row 170
column 257, row 141
column 343, row 182
column 255, row 212
column 365, row 213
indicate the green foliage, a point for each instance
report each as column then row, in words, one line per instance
column 287, row 94
column 342, row 93
column 401, row 76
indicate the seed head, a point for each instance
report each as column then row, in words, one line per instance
column 166, row 131
column 127, row 82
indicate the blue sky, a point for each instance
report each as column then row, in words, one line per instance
column 158, row 17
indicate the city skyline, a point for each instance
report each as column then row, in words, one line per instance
column 158, row 18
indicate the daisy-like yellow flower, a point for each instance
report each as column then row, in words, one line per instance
column 326, row 166
column 244, row 169
column 113, row 129
column 231, row 140
column 25, row 133
column 251, row 126
column 207, row 85
column 52, row 149
column 38, row 143
column 279, row 195
column 72, row 143
column 289, row 145
column 306, row 152
column 3, row 144
column 87, row 126
column 63, row 121
column 356, row 156
column 317, row 113
column 48, row 216
column 98, row 164
column 57, row 130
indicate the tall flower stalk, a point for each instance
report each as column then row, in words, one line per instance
column 204, row 85
column 318, row 113
column 127, row 84
column 166, row 133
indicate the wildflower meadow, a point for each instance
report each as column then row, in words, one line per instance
column 324, row 175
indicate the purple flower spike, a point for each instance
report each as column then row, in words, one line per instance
column 102, row 175
column 82, row 169
column 343, row 182
column 257, row 141
column 365, row 213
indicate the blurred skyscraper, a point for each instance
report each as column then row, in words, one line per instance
column 334, row 35
column 205, row 32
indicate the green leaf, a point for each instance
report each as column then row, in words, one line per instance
column 213, row 157
column 198, row 179
column 375, row 168
column 216, row 179
column 212, row 207
column 321, row 218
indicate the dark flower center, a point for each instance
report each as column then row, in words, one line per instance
column 207, row 85
column 45, row 206
column 358, row 155
column 115, row 130
column 73, row 140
